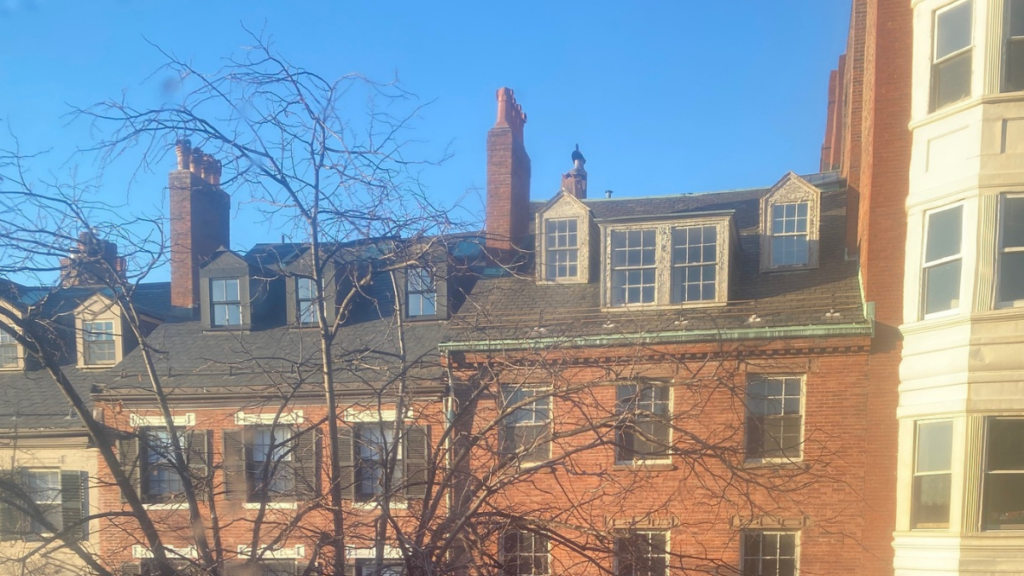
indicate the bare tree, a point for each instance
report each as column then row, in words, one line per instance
column 439, row 458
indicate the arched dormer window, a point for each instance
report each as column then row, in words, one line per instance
column 790, row 222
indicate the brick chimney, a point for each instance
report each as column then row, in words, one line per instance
column 200, row 220
column 575, row 181
column 508, row 176
column 93, row 262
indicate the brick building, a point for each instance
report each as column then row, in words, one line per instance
column 700, row 383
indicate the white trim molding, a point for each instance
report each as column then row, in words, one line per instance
column 293, row 417
column 373, row 415
column 270, row 505
column 183, row 420
column 390, row 552
column 173, row 552
column 297, row 551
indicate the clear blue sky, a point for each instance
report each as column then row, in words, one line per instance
column 663, row 97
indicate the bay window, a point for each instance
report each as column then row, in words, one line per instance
column 940, row 289
column 1010, row 274
column 932, row 475
column 1013, row 49
column 951, row 54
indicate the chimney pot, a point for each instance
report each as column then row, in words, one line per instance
column 607, row 193
column 184, row 152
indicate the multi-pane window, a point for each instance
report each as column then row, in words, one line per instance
column 932, row 475
column 305, row 294
column 769, row 553
column 634, row 268
column 774, row 420
column 160, row 481
column 524, row 554
column 374, row 447
column 226, row 306
column 789, row 244
column 268, row 469
column 694, row 263
column 951, row 58
column 421, row 292
column 561, row 249
column 98, row 340
column 645, row 432
column 1003, row 496
column 43, row 487
column 940, row 290
column 8, row 350
column 524, row 428
column 642, row 554
column 1011, row 250
column 1013, row 51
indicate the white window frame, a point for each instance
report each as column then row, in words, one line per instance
column 7, row 342
column 663, row 262
column 550, row 250
column 925, row 264
column 671, row 433
column 667, row 552
column 752, row 378
column 216, row 322
column 796, row 547
column 89, row 335
column 1007, row 40
column 423, row 293
column 58, row 504
column 773, row 234
column 505, row 425
column 1001, row 249
column 310, row 302
column 547, row 541
column 915, row 474
column 934, row 61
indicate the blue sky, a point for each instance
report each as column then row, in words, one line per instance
column 662, row 97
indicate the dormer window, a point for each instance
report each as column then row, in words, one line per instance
column 226, row 304
column 668, row 263
column 421, row 293
column 561, row 245
column 789, row 235
column 98, row 342
column 790, row 216
column 8, row 351
column 694, row 263
column 634, row 267
column 305, row 293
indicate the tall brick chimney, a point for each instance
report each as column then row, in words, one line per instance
column 200, row 220
column 508, row 176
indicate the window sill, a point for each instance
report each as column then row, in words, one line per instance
column 652, row 465
column 96, row 366
column 779, row 269
column 270, row 505
column 656, row 306
column 226, row 329
column 370, row 506
column 165, row 506
column 775, row 463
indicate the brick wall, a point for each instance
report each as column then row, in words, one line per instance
column 200, row 224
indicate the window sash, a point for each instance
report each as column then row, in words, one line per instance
column 694, row 263
column 1010, row 265
column 305, row 295
column 421, row 292
column 647, row 433
column 226, row 303
column 1003, row 489
column 160, row 480
column 941, row 266
column 526, row 427
column 767, row 553
column 44, row 488
column 775, row 418
column 642, row 554
column 932, row 476
column 951, row 71
column 525, row 554
column 561, row 247
column 268, row 462
column 790, row 234
column 374, row 445
column 8, row 355
column 968, row 6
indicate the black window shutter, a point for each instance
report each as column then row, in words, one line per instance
column 72, row 494
column 197, row 456
column 305, row 460
column 128, row 453
column 346, row 461
column 236, row 486
column 416, row 459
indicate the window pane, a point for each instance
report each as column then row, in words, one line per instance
column 1013, row 222
column 1014, row 65
column 951, row 80
column 1015, row 17
column 934, row 446
column 942, row 287
column 306, row 289
column 953, row 30
column 769, row 554
column 1011, row 277
column 1004, row 501
column 217, row 289
column 1006, row 444
column 930, row 508
column 944, row 233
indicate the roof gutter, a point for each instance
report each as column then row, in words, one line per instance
column 674, row 337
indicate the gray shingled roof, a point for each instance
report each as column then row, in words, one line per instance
column 504, row 306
